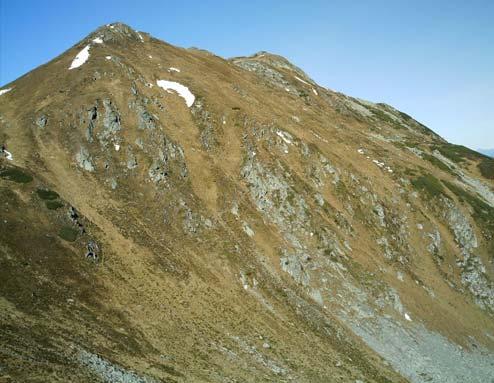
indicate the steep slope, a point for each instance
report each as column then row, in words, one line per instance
column 168, row 215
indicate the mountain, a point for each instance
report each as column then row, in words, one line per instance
column 167, row 215
column 487, row 152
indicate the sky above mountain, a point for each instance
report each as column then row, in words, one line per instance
column 432, row 60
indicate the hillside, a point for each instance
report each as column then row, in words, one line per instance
column 171, row 216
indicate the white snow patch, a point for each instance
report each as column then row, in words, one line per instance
column 8, row 155
column 182, row 90
column 247, row 229
column 172, row 69
column 382, row 165
column 299, row 79
column 288, row 90
column 3, row 91
column 407, row 317
column 140, row 37
column 378, row 163
column 117, row 147
column 284, row 136
column 98, row 40
column 150, row 56
column 361, row 151
column 108, row 57
column 315, row 91
column 81, row 58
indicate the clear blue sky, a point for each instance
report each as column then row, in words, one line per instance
column 432, row 59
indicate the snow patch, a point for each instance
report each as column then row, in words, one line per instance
column 382, row 165
column 407, row 317
column 81, row 58
column 140, row 37
column 378, row 163
column 8, row 155
column 361, row 151
column 182, row 90
column 98, row 40
column 117, row 147
column 3, row 91
column 302, row 81
column 248, row 230
column 315, row 91
column 284, row 136
column 150, row 56
column 108, row 57
column 400, row 277
column 172, row 69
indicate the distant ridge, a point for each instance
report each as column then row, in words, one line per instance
column 487, row 152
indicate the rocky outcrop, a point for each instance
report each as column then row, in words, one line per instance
column 84, row 160
column 472, row 269
column 111, row 124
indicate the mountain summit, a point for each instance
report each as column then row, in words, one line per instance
column 171, row 216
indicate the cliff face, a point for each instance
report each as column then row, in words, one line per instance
column 168, row 215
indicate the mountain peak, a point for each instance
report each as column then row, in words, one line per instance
column 164, row 210
column 117, row 31
column 274, row 61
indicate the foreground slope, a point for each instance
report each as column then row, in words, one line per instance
column 168, row 215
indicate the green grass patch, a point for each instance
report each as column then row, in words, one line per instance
column 486, row 167
column 482, row 212
column 430, row 184
column 47, row 194
column 68, row 233
column 437, row 163
column 16, row 175
column 385, row 117
column 53, row 205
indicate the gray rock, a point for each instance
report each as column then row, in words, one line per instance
column 92, row 250
column 379, row 211
column 434, row 246
column 111, row 123
column 83, row 159
column 421, row 355
column 319, row 199
column 92, row 116
column 473, row 271
column 41, row 121
column 109, row 372
column 131, row 161
column 145, row 120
